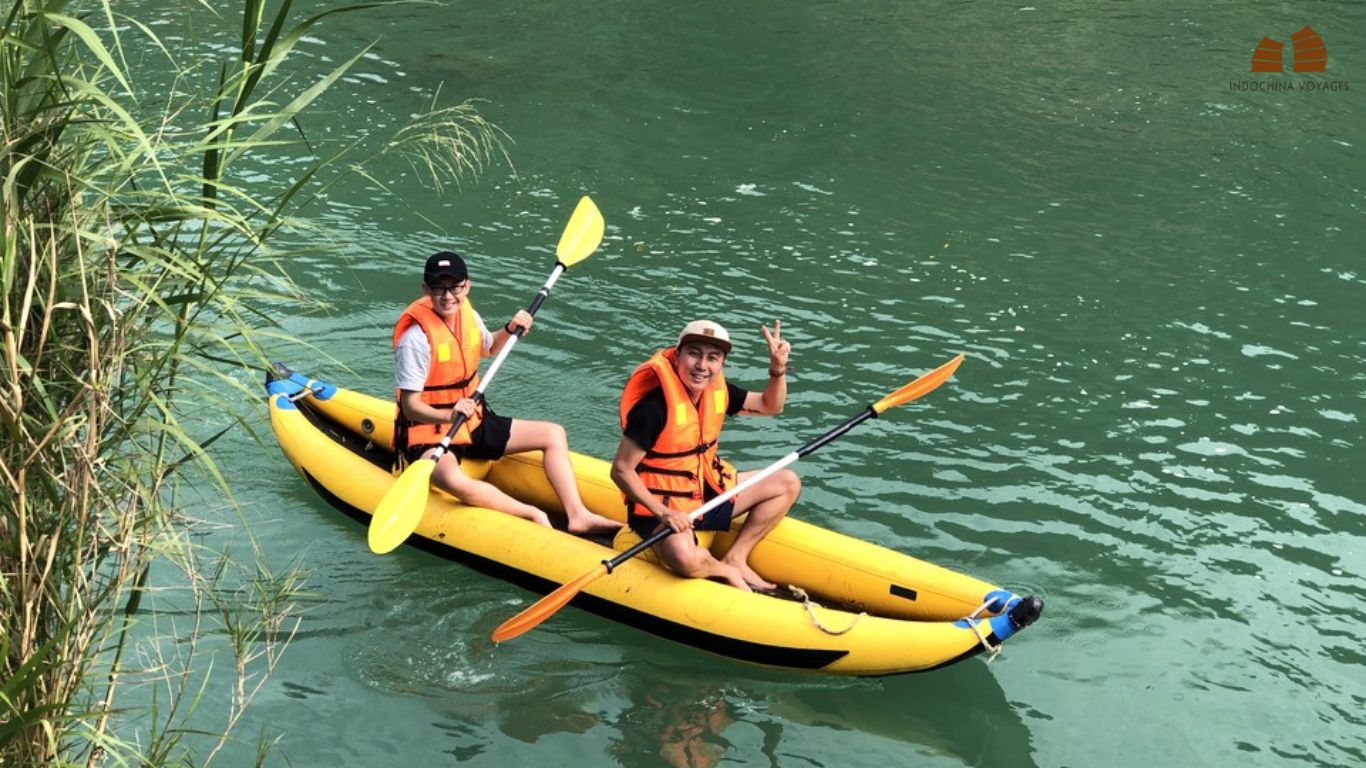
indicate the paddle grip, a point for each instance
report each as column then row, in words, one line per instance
column 456, row 423
column 837, row 432
column 542, row 294
column 536, row 303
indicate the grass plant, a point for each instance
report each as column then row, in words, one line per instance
column 136, row 280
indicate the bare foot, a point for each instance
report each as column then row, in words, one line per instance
column 750, row 577
column 589, row 522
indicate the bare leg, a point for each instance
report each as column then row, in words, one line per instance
column 477, row 493
column 549, row 438
column 767, row 504
column 686, row 558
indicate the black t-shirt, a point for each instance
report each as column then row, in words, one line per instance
column 646, row 419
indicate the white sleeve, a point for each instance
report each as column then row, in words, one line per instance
column 484, row 332
column 412, row 360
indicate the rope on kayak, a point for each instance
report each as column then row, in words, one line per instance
column 992, row 650
column 973, row 621
column 807, row 602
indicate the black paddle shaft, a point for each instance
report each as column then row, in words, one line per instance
column 837, row 432
column 536, row 303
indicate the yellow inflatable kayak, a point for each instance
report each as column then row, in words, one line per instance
column 856, row 608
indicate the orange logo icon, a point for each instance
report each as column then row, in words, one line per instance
column 1311, row 55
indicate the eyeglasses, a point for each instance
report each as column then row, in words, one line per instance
column 452, row 289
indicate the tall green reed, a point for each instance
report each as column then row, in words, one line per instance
column 135, row 286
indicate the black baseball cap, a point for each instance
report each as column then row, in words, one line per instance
column 444, row 264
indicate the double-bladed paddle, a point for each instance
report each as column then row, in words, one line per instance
column 547, row 606
column 401, row 509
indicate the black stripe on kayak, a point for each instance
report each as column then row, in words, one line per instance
column 973, row 651
column 758, row 653
column 965, row 655
column 906, row 592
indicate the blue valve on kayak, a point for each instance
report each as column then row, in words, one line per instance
column 1022, row 611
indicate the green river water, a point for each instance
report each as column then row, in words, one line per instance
column 1157, row 278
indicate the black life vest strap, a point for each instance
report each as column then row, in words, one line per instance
column 465, row 382
column 644, row 468
column 631, row 505
column 667, row 493
column 703, row 448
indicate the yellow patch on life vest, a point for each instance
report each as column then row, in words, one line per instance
column 476, row 338
column 680, row 413
column 443, row 352
column 718, row 401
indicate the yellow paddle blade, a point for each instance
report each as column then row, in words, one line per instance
column 547, row 606
column 921, row 386
column 401, row 509
column 581, row 235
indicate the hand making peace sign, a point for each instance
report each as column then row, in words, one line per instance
column 778, row 347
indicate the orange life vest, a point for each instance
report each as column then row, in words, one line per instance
column 452, row 375
column 683, row 461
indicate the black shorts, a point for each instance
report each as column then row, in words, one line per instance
column 490, row 440
column 717, row 519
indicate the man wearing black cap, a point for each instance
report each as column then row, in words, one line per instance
column 438, row 342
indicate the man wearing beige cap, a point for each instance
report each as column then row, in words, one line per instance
column 667, row 465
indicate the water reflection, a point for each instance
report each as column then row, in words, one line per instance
column 959, row 715
column 682, row 724
column 639, row 713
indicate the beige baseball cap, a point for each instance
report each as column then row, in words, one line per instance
column 707, row 332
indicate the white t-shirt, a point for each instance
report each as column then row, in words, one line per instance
column 413, row 356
